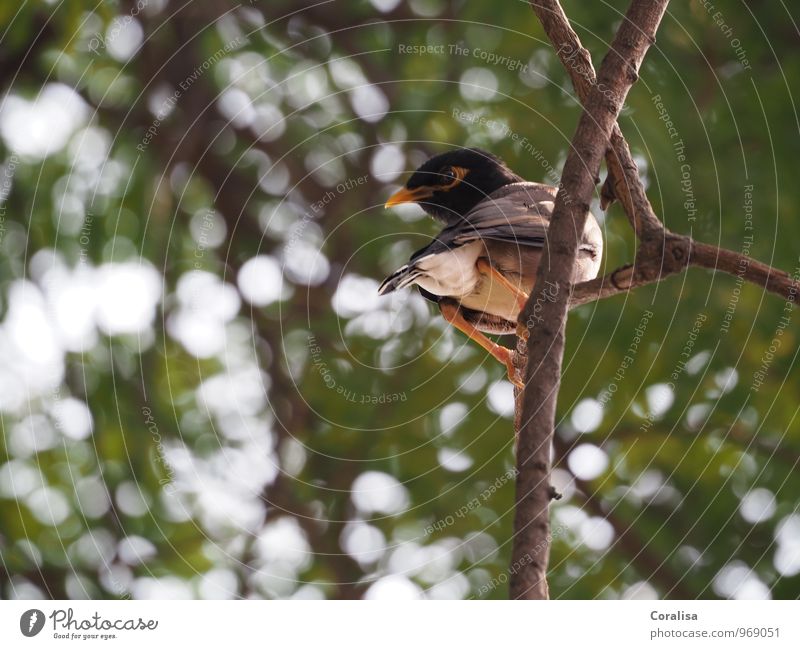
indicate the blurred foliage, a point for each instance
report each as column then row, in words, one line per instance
column 201, row 394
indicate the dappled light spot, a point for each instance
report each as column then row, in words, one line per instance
column 283, row 542
column 384, row 6
column 305, row 264
column 91, row 497
column 236, row 106
column 127, row 297
column 564, row 483
column 454, row 459
column 49, row 506
column 587, row 416
column 274, row 179
column 369, row 102
column 479, row 547
column 378, row 492
column 218, row 583
column 479, row 84
column 394, row 587
column 588, row 461
column 596, row 533
column 473, row 381
column 696, row 415
column 96, row 547
column 206, row 304
column 306, row 83
column 736, row 580
column 757, row 505
column 571, row 517
column 697, row 362
column 364, row 542
column 32, row 435
column 451, row 416
column 787, row 555
column 660, row 398
column 208, row 229
column 500, row 396
column 354, row 295
column 455, row 586
column 42, row 127
column 131, row 500
column 388, row 162
column 260, row 280
column 18, row 479
column 123, row 37
column 135, row 549
column 239, row 392
column 640, row 590
column 161, row 588
column 73, row 418
column 268, row 123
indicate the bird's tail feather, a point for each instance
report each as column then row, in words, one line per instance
column 400, row 278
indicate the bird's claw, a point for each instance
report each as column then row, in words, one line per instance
column 513, row 374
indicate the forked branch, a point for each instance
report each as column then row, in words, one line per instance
column 545, row 350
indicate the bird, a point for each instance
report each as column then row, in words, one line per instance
column 482, row 266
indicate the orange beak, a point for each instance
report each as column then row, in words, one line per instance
column 409, row 196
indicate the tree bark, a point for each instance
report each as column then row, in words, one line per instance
column 623, row 175
column 549, row 301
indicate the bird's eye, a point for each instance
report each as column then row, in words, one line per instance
column 448, row 174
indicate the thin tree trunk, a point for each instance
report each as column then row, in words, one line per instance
column 549, row 302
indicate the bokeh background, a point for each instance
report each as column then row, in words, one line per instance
column 202, row 395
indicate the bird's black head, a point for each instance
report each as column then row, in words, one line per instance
column 450, row 184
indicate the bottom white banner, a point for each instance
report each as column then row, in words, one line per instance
column 399, row 624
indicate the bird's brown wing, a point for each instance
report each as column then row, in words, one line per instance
column 520, row 214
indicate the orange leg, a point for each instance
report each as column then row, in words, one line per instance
column 486, row 268
column 503, row 354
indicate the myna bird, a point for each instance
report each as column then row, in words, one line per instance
column 482, row 266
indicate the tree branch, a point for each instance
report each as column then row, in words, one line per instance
column 619, row 70
column 680, row 252
column 656, row 259
column 623, row 175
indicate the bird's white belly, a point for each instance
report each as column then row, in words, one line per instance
column 492, row 297
column 452, row 273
